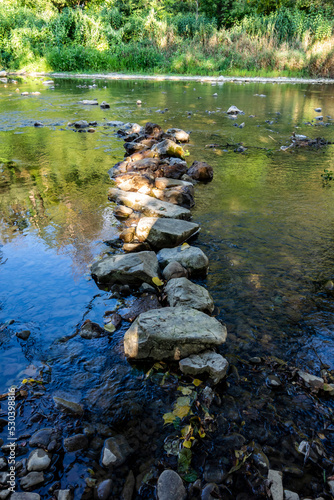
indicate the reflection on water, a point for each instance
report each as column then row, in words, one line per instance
column 266, row 218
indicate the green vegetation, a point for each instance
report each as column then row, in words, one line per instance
column 244, row 37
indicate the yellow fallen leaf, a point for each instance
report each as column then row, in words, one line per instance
column 109, row 327
column 187, row 444
column 24, row 381
column 186, row 391
column 182, row 401
column 201, row 433
column 186, row 430
column 168, row 418
column 157, row 281
column 184, row 246
column 197, row 382
column 181, row 411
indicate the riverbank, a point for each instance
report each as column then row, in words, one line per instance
column 176, row 78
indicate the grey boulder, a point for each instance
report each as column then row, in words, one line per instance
column 162, row 233
column 170, row 486
column 129, row 269
column 178, row 134
column 207, row 362
column 38, row 460
column 31, row 480
column 182, row 292
column 174, row 270
column 191, row 258
column 172, row 333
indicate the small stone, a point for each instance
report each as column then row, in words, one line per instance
column 273, row 381
column 311, row 381
column 331, row 487
column 5, row 494
column 69, row 407
column 25, row 496
column 75, row 443
column 213, row 474
column 42, row 438
column 3, row 463
column 122, row 211
column 201, row 171
column 91, row 330
column 127, row 492
column 178, row 134
column 63, row 494
column 290, row 495
column 81, row 124
column 38, row 124
column 38, row 460
column 24, row 334
column 174, row 270
column 31, row 480
column 261, row 460
column 275, row 484
column 115, row 451
column 317, row 110
column 233, row 110
column 210, row 492
column 104, row 105
column 170, row 486
column 255, row 360
column 191, row 258
column 104, row 489
column 138, row 102
column 182, row 292
column 127, row 234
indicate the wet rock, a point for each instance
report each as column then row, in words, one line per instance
column 115, row 451
column 24, row 334
column 210, row 492
column 38, row 460
column 260, row 460
column 170, row 486
column 104, row 489
column 104, row 105
column 140, row 305
column 136, row 247
column 5, row 494
column 208, row 362
column 174, row 270
column 38, row 124
column 127, row 234
column 191, row 258
column 207, row 396
column 290, row 495
column 213, row 473
column 293, row 471
column 255, row 360
column 317, row 110
column 172, row 333
column 25, row 496
column 311, row 380
column 149, row 206
column 135, row 182
column 3, row 478
column 31, row 480
column 129, row 487
column 233, row 110
column 178, row 134
column 42, row 438
column 165, row 233
column 168, row 148
column 153, row 130
column 3, row 463
column 273, row 381
column 69, row 407
column 122, row 212
column 201, row 171
column 167, row 183
column 175, row 168
column 138, row 102
column 75, row 443
column 91, row 330
column 275, row 484
column 143, row 166
column 134, row 147
column 179, row 195
column 182, row 292
column 132, row 269
column 81, row 124
column 115, row 123
column 233, row 441
column 63, row 494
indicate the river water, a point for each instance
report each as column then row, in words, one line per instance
column 267, row 227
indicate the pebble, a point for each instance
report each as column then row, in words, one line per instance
column 115, row 451
column 331, row 487
column 24, row 334
column 68, row 406
column 127, row 492
column 41, row 438
column 273, row 381
column 63, row 494
column 32, row 479
column 210, row 492
column 75, row 443
column 290, row 495
column 25, row 496
column 170, row 486
column 255, row 360
column 275, row 484
column 3, row 463
column 38, row 460
column 104, row 489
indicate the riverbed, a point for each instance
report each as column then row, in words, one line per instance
column 266, row 226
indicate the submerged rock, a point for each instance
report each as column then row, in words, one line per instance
column 182, row 292
column 81, row 124
column 129, row 269
column 149, row 206
column 191, row 258
column 38, row 460
column 208, row 362
column 90, row 330
column 233, row 110
column 275, row 484
column 69, row 407
column 24, row 334
column 172, row 333
column 115, row 451
column 162, row 233
column 75, row 443
column 31, row 480
column 170, row 486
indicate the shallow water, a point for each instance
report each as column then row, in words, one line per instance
column 267, row 227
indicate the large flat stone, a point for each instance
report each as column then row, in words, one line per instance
column 207, row 362
column 172, row 333
column 182, row 292
column 150, row 206
column 191, row 258
column 165, row 233
column 128, row 269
